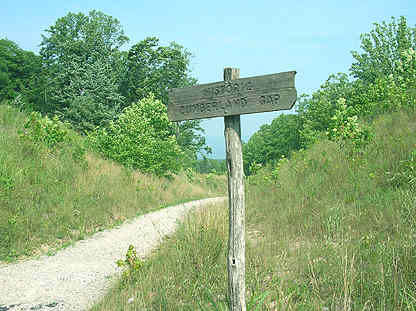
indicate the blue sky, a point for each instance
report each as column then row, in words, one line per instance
column 315, row 38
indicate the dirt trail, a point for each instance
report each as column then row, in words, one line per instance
column 78, row 276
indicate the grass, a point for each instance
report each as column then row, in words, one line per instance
column 49, row 200
column 333, row 229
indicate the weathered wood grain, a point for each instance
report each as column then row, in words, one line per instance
column 233, row 97
column 236, row 202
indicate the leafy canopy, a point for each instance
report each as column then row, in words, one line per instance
column 152, row 68
column 17, row 70
column 85, row 36
column 81, row 56
column 383, row 50
column 90, row 98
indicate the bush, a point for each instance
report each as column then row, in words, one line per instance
column 38, row 129
column 344, row 125
column 53, row 134
column 141, row 138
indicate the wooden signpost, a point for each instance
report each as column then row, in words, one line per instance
column 230, row 99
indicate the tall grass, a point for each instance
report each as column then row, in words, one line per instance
column 48, row 199
column 333, row 229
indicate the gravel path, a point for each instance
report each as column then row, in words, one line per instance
column 78, row 276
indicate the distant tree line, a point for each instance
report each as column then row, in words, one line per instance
column 382, row 78
column 206, row 166
column 83, row 76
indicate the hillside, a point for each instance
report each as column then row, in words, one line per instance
column 330, row 189
column 333, row 228
column 54, row 191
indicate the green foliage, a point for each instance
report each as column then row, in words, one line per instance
column 383, row 50
column 82, row 76
column 190, row 139
column 331, row 195
column 86, row 94
column 51, row 197
column 388, row 93
column 317, row 110
column 272, row 141
column 132, row 263
column 405, row 174
column 141, row 138
column 155, row 69
column 328, row 231
column 38, row 129
column 206, row 165
column 385, row 80
column 386, row 70
column 38, row 159
column 18, row 71
column 88, row 37
column 151, row 68
column 54, row 134
column 82, row 64
column 344, row 125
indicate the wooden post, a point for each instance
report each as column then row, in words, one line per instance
column 236, row 240
column 229, row 99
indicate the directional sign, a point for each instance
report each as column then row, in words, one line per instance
column 233, row 97
column 230, row 99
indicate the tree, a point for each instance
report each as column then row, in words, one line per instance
column 317, row 110
column 383, row 79
column 83, row 67
column 87, row 37
column 155, row 69
column 273, row 141
column 206, row 166
column 383, row 50
column 18, row 69
column 382, row 76
column 385, row 71
column 152, row 68
column 91, row 97
column 141, row 138
column 189, row 137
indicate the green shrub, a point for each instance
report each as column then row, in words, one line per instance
column 344, row 125
column 38, row 129
column 141, row 138
column 53, row 134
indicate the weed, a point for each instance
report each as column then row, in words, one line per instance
column 51, row 132
column 131, row 263
column 406, row 174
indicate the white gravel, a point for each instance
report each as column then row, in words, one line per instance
column 78, row 276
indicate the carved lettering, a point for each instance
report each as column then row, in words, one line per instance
column 241, row 96
column 270, row 99
column 227, row 88
column 215, row 106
